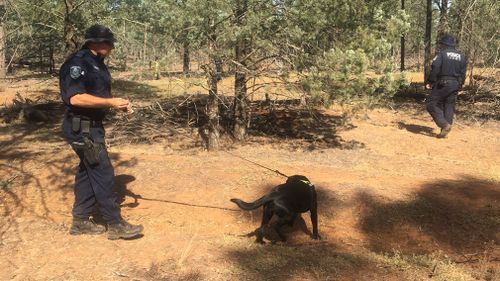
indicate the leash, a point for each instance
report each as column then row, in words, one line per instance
column 256, row 164
column 188, row 204
column 225, row 151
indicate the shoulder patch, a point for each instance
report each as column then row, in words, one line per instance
column 76, row 71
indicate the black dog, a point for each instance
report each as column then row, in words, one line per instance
column 287, row 201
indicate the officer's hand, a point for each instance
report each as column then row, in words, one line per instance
column 428, row 86
column 120, row 104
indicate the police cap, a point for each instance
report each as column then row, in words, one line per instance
column 99, row 33
column 447, row 40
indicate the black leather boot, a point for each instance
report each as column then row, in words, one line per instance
column 85, row 226
column 124, row 230
column 444, row 131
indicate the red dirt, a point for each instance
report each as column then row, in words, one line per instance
column 404, row 192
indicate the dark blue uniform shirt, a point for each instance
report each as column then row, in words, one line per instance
column 450, row 63
column 84, row 73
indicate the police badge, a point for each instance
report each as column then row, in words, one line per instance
column 75, row 72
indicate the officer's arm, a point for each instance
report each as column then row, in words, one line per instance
column 435, row 68
column 90, row 101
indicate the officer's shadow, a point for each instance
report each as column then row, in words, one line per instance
column 417, row 129
column 122, row 192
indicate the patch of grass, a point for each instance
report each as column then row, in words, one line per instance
column 163, row 272
column 436, row 265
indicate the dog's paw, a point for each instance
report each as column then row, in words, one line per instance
column 260, row 241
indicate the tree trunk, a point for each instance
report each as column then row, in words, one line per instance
column 212, row 110
column 3, row 71
column 219, row 68
column 241, row 114
column 145, row 45
column 52, row 62
column 443, row 19
column 213, row 100
column 186, row 59
column 69, row 27
column 427, row 40
column 402, row 67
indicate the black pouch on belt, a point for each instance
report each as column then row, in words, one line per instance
column 442, row 83
column 92, row 151
column 88, row 147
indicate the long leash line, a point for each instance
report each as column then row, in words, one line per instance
column 225, row 151
column 256, row 164
column 189, row 204
column 232, row 154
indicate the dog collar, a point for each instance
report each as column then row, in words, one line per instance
column 307, row 182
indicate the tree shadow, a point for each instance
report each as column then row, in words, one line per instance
column 455, row 216
column 301, row 127
column 36, row 166
column 417, row 129
column 134, row 90
column 318, row 260
column 183, row 120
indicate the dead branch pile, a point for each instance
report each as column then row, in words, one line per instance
column 35, row 111
column 175, row 119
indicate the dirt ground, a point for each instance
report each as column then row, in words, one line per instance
column 395, row 203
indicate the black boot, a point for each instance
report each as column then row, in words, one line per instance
column 123, row 229
column 85, row 226
column 444, row 131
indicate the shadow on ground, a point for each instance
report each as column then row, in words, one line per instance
column 300, row 127
column 134, row 90
column 182, row 120
column 456, row 216
column 417, row 129
column 312, row 261
column 36, row 165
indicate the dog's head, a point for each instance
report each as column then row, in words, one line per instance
column 299, row 178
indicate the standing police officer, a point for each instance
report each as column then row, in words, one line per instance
column 445, row 79
column 85, row 84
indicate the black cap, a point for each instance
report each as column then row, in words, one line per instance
column 99, row 33
column 447, row 40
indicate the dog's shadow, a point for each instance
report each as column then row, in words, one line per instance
column 121, row 182
column 270, row 234
column 121, row 192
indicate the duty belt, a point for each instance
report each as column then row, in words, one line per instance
column 80, row 123
column 83, row 124
column 448, row 78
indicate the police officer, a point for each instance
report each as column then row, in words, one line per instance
column 85, row 84
column 445, row 79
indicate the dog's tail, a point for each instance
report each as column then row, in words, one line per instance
column 254, row 205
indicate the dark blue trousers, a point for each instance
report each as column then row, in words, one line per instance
column 441, row 102
column 95, row 186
